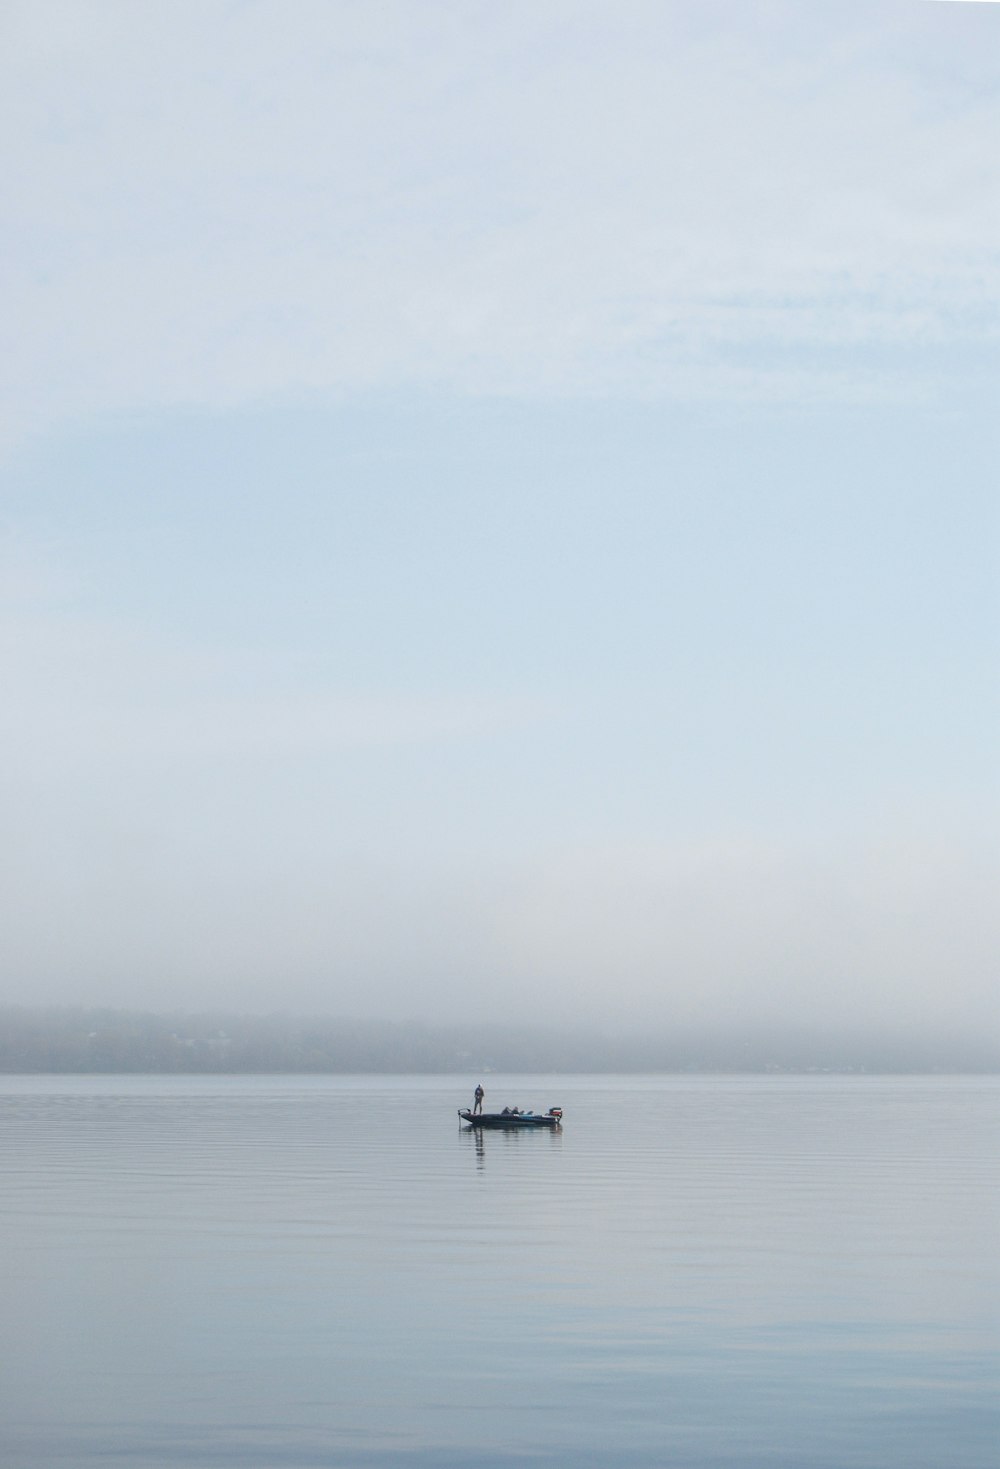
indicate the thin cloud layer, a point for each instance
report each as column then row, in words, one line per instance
column 222, row 204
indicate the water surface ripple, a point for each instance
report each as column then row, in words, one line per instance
column 695, row 1272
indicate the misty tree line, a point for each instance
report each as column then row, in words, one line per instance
column 79, row 1040
column 106, row 1041
column 103, row 1040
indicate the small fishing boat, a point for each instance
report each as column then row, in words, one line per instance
column 512, row 1117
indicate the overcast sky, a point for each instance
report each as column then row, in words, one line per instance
column 500, row 508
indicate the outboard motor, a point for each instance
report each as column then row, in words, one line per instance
column 555, row 1112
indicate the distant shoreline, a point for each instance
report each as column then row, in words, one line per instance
column 109, row 1042
column 811, row 1072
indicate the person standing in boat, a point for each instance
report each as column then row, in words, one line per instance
column 479, row 1094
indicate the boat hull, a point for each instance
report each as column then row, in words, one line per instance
column 511, row 1119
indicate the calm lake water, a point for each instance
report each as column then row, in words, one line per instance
column 695, row 1272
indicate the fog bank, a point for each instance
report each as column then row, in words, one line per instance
column 113, row 1041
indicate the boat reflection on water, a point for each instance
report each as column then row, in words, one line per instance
column 506, row 1138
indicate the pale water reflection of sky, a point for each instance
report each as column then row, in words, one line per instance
column 707, row 1271
column 502, row 494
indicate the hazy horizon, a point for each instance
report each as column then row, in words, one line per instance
column 79, row 1040
column 500, row 512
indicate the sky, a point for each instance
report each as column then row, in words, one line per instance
column 499, row 509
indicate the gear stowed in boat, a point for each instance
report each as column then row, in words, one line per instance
column 512, row 1117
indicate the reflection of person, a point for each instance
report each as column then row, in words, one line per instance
column 479, row 1095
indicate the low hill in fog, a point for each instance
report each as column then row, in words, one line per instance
column 93, row 1040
